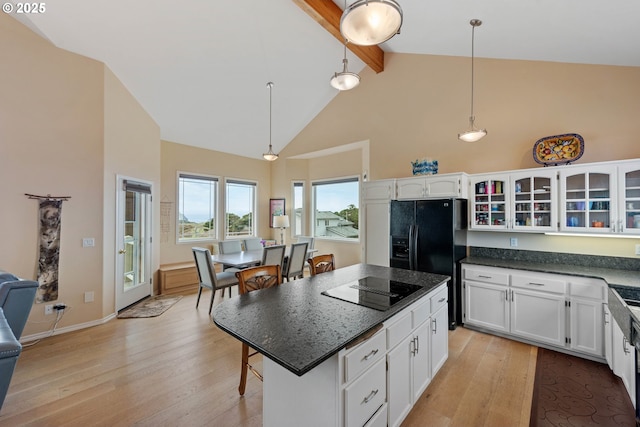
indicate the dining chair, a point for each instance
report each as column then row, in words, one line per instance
column 322, row 263
column 294, row 265
column 253, row 244
column 253, row 279
column 208, row 277
column 273, row 255
column 310, row 241
column 229, row 247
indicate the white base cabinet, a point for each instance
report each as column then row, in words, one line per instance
column 561, row 311
column 373, row 384
column 624, row 360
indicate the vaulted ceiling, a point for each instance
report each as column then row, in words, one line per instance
column 200, row 67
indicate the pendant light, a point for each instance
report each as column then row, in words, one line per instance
column 371, row 22
column 345, row 80
column 473, row 134
column 270, row 155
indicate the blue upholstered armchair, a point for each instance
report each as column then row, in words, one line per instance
column 16, row 300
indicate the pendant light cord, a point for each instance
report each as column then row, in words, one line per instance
column 270, row 84
column 473, row 30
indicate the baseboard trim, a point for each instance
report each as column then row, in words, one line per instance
column 59, row 331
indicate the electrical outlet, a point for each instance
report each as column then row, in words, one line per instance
column 48, row 309
column 637, row 249
column 514, row 242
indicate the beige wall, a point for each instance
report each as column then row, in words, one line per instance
column 59, row 115
column 182, row 158
column 418, row 105
column 131, row 150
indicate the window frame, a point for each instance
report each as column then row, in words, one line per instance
column 216, row 205
column 317, row 182
column 294, row 230
column 255, row 216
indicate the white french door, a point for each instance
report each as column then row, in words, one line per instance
column 133, row 241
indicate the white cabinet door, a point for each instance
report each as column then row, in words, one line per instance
column 538, row 316
column 608, row 338
column 624, row 361
column 380, row 190
column 486, row 306
column 629, row 198
column 376, row 236
column 586, row 326
column 533, row 201
column 445, row 186
column 588, row 199
column 399, row 396
column 421, row 360
column 411, row 188
column 490, row 204
column 439, row 339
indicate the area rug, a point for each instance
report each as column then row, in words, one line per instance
column 569, row 391
column 150, row 307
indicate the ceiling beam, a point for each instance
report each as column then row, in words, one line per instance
column 327, row 14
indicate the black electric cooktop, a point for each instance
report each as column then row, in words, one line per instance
column 373, row 292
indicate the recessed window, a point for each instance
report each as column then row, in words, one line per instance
column 197, row 201
column 336, row 209
column 297, row 224
column 240, row 212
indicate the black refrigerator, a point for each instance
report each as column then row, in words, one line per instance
column 431, row 236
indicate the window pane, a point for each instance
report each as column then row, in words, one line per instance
column 297, row 224
column 197, row 207
column 240, row 212
column 336, row 213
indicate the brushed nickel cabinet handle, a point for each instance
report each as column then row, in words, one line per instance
column 371, row 396
column 371, row 354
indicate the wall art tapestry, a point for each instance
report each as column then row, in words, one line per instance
column 50, row 211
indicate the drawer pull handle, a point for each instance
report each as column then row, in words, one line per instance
column 371, row 354
column 371, row 396
column 536, row 284
column 484, row 277
column 442, row 299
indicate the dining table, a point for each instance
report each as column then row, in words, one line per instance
column 247, row 258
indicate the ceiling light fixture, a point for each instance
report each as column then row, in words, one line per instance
column 473, row 134
column 345, row 80
column 270, row 155
column 371, row 22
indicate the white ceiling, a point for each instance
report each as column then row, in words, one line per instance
column 200, row 67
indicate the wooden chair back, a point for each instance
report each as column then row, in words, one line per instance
column 260, row 277
column 322, row 264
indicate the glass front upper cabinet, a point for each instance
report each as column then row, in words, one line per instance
column 533, row 202
column 629, row 199
column 586, row 200
column 490, row 208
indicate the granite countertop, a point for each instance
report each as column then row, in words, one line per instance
column 298, row 328
column 613, row 270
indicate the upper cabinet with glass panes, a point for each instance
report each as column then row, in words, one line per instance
column 629, row 198
column 533, row 201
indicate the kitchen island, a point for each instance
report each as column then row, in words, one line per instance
column 306, row 339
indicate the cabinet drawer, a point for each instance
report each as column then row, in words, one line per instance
column 364, row 356
column 496, row 276
column 539, row 282
column 368, row 393
column 439, row 299
column 420, row 314
column 587, row 288
column 399, row 330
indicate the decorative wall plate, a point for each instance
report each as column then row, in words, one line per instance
column 558, row 149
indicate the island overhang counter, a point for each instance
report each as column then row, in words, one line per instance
column 300, row 332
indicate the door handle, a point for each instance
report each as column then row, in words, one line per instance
column 122, row 251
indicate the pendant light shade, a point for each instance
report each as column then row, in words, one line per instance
column 371, row 22
column 473, row 134
column 345, row 80
column 270, row 155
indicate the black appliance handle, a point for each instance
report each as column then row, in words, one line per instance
column 411, row 248
column 416, row 230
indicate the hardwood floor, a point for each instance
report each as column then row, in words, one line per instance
column 179, row 369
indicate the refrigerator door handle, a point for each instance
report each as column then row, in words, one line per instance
column 416, row 230
column 411, row 248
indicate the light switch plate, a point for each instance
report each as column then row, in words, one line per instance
column 88, row 242
column 637, row 249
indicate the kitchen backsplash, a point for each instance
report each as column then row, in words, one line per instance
column 619, row 263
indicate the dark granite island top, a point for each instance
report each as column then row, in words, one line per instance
column 298, row 328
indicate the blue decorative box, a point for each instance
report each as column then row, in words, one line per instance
column 425, row 167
